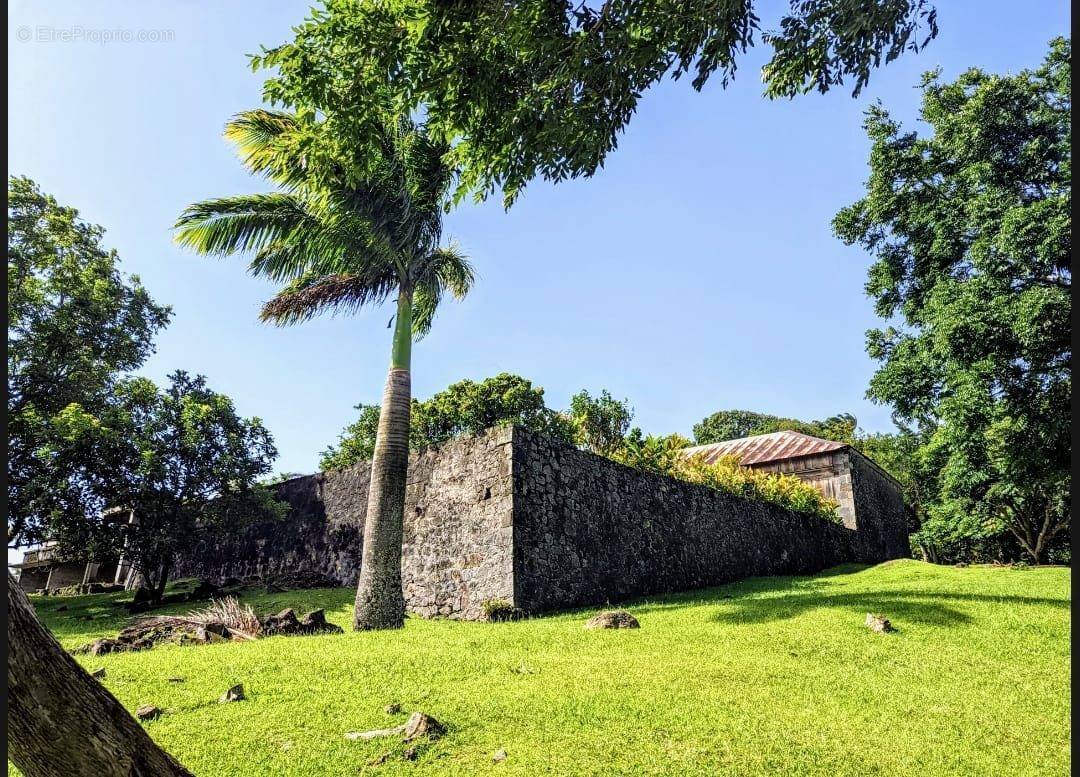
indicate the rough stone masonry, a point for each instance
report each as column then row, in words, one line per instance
column 512, row 515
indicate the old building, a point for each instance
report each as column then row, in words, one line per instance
column 863, row 490
column 43, row 570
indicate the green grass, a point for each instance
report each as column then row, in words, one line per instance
column 767, row 676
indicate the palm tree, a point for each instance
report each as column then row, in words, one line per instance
column 341, row 237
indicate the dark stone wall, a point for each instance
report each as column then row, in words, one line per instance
column 512, row 515
column 590, row 531
column 456, row 545
column 879, row 511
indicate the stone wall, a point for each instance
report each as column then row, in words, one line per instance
column 457, row 535
column 879, row 511
column 512, row 515
column 589, row 531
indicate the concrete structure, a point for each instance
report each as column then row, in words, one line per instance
column 512, row 515
column 860, row 487
column 42, row 570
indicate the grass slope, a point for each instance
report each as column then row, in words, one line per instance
column 766, row 676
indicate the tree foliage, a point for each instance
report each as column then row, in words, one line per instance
column 180, row 460
column 357, row 442
column 75, row 324
column 464, row 408
column 534, row 87
column 971, row 230
column 337, row 244
column 468, row 407
column 600, row 424
column 734, row 424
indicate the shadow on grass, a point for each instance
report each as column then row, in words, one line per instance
column 762, row 599
column 897, row 604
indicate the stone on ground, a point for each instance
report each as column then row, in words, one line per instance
column 285, row 622
column 148, row 712
column 500, row 755
column 878, row 624
column 612, row 619
column 236, row 693
column 315, row 623
column 98, row 674
column 420, row 725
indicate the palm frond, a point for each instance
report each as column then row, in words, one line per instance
column 246, row 222
column 270, row 144
column 346, row 232
column 310, row 295
column 444, row 269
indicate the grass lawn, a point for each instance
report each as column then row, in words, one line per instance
column 772, row 676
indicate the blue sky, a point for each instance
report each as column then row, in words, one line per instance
column 697, row 271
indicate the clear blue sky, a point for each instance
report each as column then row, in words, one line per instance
column 696, row 272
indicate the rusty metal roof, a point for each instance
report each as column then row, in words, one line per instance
column 762, row 448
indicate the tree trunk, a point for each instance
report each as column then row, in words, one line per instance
column 379, row 601
column 61, row 722
column 163, row 579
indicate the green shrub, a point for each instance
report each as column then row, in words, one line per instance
column 725, row 474
column 665, row 456
column 499, row 610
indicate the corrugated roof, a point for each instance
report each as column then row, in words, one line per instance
column 766, row 447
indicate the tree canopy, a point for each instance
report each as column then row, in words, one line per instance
column 598, row 424
column 180, row 460
column 532, row 87
column 733, row 424
column 970, row 227
column 463, row 408
column 75, row 324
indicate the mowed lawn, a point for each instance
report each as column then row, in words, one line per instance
column 772, row 676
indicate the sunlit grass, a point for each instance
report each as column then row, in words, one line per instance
column 764, row 677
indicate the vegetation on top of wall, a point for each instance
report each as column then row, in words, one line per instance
column 725, row 474
column 664, row 455
column 468, row 407
column 464, row 408
column 594, row 423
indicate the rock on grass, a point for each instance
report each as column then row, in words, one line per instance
column 148, row 712
column 878, row 624
column 236, row 693
column 612, row 619
column 419, row 726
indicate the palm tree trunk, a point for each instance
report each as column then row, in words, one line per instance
column 379, row 601
column 62, row 722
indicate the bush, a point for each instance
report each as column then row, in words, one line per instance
column 725, row 474
column 496, row 610
column 664, row 455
